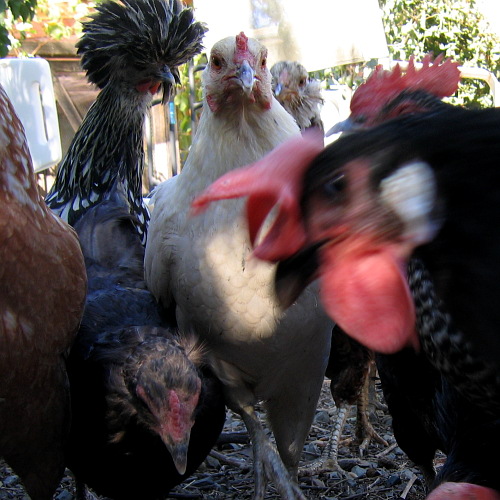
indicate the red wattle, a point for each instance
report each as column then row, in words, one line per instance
column 367, row 294
column 463, row 491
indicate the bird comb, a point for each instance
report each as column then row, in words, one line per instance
column 242, row 52
column 439, row 78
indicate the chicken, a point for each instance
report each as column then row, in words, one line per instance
column 146, row 407
column 261, row 352
column 388, row 94
column 43, row 285
column 385, row 95
column 299, row 94
column 130, row 50
column 383, row 203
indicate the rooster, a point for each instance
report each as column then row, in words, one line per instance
column 298, row 93
column 130, row 50
column 146, row 407
column 202, row 265
column 395, row 200
column 43, row 285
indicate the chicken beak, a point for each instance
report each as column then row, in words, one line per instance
column 179, row 453
column 246, row 75
column 344, row 126
column 278, row 89
column 167, row 76
column 168, row 80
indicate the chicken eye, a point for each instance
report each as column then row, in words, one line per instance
column 216, row 62
column 264, row 62
column 302, row 82
column 334, row 187
column 360, row 120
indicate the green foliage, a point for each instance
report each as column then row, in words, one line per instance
column 11, row 11
column 182, row 104
column 57, row 20
column 454, row 28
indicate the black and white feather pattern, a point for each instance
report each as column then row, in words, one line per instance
column 130, row 50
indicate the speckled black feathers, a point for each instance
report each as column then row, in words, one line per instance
column 131, row 50
column 136, row 34
column 125, row 343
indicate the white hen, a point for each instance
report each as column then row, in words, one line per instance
column 203, row 265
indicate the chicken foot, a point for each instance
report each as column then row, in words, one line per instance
column 328, row 462
column 267, row 462
column 364, row 429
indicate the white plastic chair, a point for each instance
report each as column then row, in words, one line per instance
column 28, row 83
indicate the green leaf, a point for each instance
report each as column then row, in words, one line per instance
column 4, row 41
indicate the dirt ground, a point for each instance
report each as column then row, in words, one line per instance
column 382, row 473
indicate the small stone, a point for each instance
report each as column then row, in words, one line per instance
column 64, row 495
column 336, row 475
column 212, row 462
column 393, row 480
column 10, row 480
column 322, row 417
column 387, row 463
column 407, row 474
column 358, row 471
column 312, row 449
column 317, row 483
column 351, row 482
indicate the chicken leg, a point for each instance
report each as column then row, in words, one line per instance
column 266, row 461
column 350, row 370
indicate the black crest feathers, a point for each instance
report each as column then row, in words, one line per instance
column 138, row 35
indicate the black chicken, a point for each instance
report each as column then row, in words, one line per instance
column 130, row 50
column 386, row 95
column 368, row 203
column 298, row 93
column 452, row 386
column 146, row 407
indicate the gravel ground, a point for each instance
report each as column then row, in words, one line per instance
column 382, row 473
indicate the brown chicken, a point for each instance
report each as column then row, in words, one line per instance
column 42, row 294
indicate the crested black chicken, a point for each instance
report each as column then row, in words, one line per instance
column 261, row 351
column 130, row 50
column 42, row 294
column 298, row 93
column 369, row 203
column 146, row 407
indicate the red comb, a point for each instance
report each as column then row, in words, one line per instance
column 440, row 78
column 241, row 42
column 242, row 51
